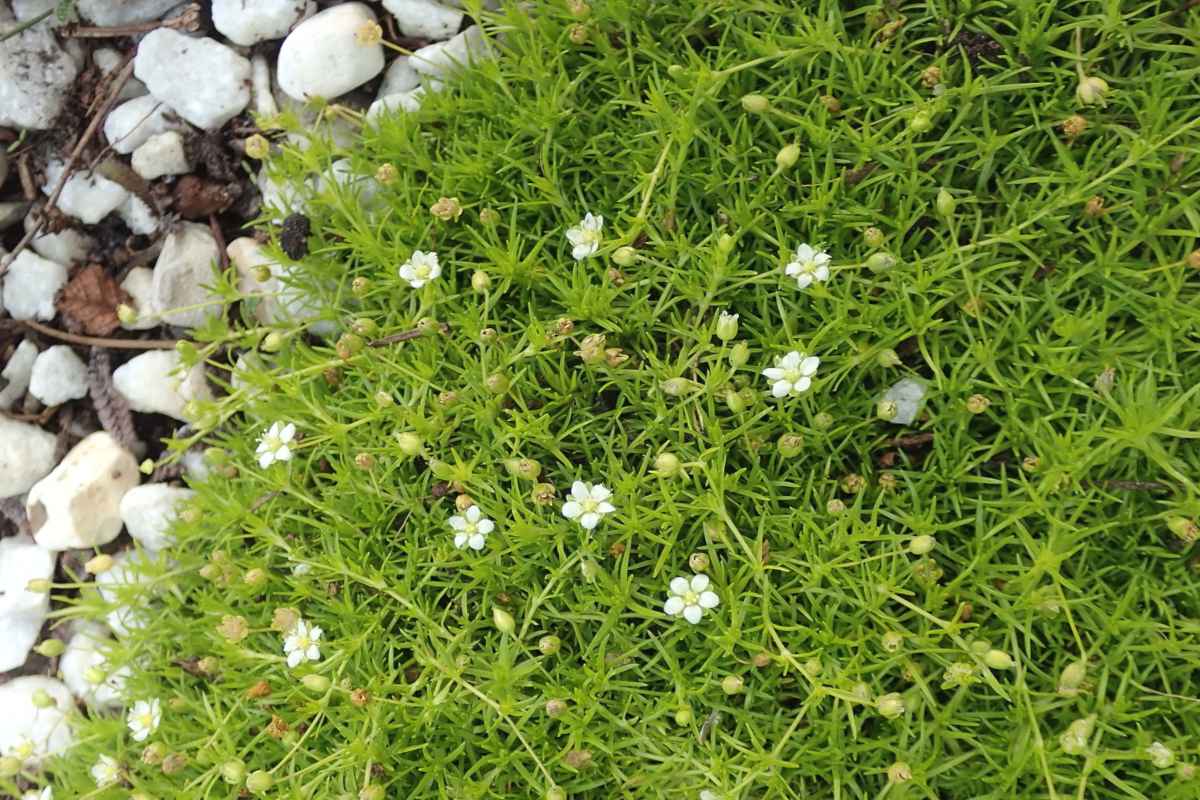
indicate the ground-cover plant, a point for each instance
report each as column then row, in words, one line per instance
column 605, row 499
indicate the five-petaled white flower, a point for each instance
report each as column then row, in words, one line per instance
column 471, row 528
column 585, row 237
column 106, row 771
column 420, row 269
column 143, row 718
column 588, row 503
column 689, row 599
column 792, row 374
column 275, row 444
column 809, row 266
column 301, row 644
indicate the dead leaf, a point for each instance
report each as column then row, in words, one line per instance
column 197, row 198
column 90, row 301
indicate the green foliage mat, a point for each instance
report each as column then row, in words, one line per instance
column 1046, row 300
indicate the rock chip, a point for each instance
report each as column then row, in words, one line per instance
column 23, row 723
column 204, row 81
column 149, row 511
column 322, row 56
column 109, row 60
column 139, row 285
column 123, row 12
column 443, row 59
column 77, row 505
column 409, row 101
column 183, row 268
column 425, row 19
column 131, row 124
column 909, row 395
column 138, row 216
column 26, row 456
column 88, row 652
column 400, row 77
column 58, row 376
column 246, row 22
column 30, row 286
column 66, row 246
column 162, row 154
column 21, row 612
column 150, row 383
column 86, row 196
column 36, row 75
column 16, row 374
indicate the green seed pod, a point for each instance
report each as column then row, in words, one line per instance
column 497, row 383
column 410, row 444
column 823, row 421
column 42, row 699
column 360, row 286
column 890, row 706
column 755, row 104
column 734, row 401
column 790, row 445
column 549, row 645
column 945, row 203
column 677, row 386
column 787, row 157
column 187, row 352
column 316, row 683
column 523, row 468
column 489, row 216
column 126, row 314
column 699, row 562
column 727, row 326
column 667, row 465
column 51, row 648
column 364, row 327
column 384, row 399
column 233, row 771
column 349, row 345
column 684, row 716
column 480, row 281
column 998, row 659
column 273, row 342
column 503, row 621
column 556, row 708
column 625, row 256
column 732, row 684
column 372, row 792
column 888, row 358
column 739, row 355
column 873, row 237
column 556, row 793
column 259, row 782
column 921, row 122
column 1071, row 679
column 921, row 545
column 881, row 262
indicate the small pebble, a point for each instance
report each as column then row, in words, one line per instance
column 131, row 124
column 30, row 286
column 163, row 154
column 16, row 374
column 22, row 612
column 58, row 376
column 204, row 81
column 322, row 56
column 48, row 729
column 150, row 383
column 246, row 23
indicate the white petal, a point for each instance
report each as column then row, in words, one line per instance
column 574, row 235
column 709, row 600
column 792, row 268
column 473, row 514
column 273, row 431
column 581, row 251
column 460, row 539
column 699, row 583
column 458, row 523
column 485, row 526
column 313, row 653
column 266, row 458
column 822, row 273
column 781, row 388
column 809, row 366
column 805, row 280
column 315, row 633
column 822, row 259
column 284, row 453
column 693, row 614
column 571, row 509
column 589, row 520
column 773, row 373
column 791, row 360
column 288, row 432
column 674, row 605
column 801, row 385
column 804, row 252
column 600, row 492
column 580, row 491
column 597, row 222
column 477, row 541
column 606, row 508
column 679, row 585
column 294, row 658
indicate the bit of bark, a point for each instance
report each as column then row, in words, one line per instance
column 293, row 238
column 165, row 473
column 188, row 20
column 111, row 407
column 91, row 299
column 100, row 341
column 405, row 336
column 855, row 176
column 199, row 198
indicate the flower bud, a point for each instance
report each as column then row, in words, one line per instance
column 549, row 645
column 146, row 467
column 677, row 386
column 1160, row 755
column 1091, row 91
column 360, row 286
column 667, row 465
column 410, row 444
column 921, row 545
column 734, row 401
column 489, row 216
column 890, row 706
column 727, row 326
column 372, row 791
column 684, row 716
column 99, row 564
column 978, row 403
column 1074, row 126
column 899, row 772
column 732, row 684
column 94, row 675
column 998, row 659
column 543, row 493
column 578, row 34
column 755, row 104
column 447, row 209
column 233, row 771
column 790, row 445
column 1071, row 679
column 625, row 256
column 831, row 103
column 945, row 203
column 556, row 793
column 257, row 147
column 835, row 506
column 881, row 262
column 233, row 628
column 1074, row 740
column 42, row 699
column 873, row 237
column 497, row 383
column 787, row 157
column 256, row 576
column 386, row 173
column 888, row 358
column 892, row 641
column 126, row 314
column 51, row 648
column 556, row 708
column 348, row 346
column 589, row 569
column 1184, row 528
column 503, row 621
column 591, row 349
column 259, row 782
column 480, row 281
column 578, row 759
column 1094, row 207
column 524, row 468
column 316, row 683
column 921, row 122
column 174, row 763
column 699, row 562
column 1193, row 259
column 739, row 355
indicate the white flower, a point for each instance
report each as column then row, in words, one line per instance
column 792, row 374
column 471, row 529
column 588, row 503
column 143, row 718
column 689, row 599
column 274, row 445
column 106, row 771
column 420, row 269
column 808, row 266
column 47, row 793
column 1160, row 755
column 301, row 644
column 585, row 237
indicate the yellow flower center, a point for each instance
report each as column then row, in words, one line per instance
column 146, row 720
column 690, row 598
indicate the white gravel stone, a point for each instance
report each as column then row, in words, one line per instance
column 149, row 511
column 123, row 12
column 400, row 77
column 16, row 374
column 278, row 196
column 109, row 60
column 204, row 81
column 151, row 383
column 87, row 650
column 30, row 286
column 21, row 612
column 909, row 395
column 131, row 124
column 322, row 58
column 163, row 154
column 245, row 22
column 66, row 246
column 77, row 504
column 58, row 376
column 124, row 588
column 183, row 268
column 443, row 59
column 22, row 723
column 424, row 18
column 26, row 456
column 36, row 75
column 260, row 85
column 409, row 101
column 139, row 284
column 138, row 216
column 86, row 196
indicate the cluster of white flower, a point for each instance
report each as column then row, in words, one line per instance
column 471, row 528
column 302, row 643
column 275, row 444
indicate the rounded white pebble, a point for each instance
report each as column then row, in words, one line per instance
column 148, row 512
column 322, row 56
column 163, row 154
column 26, row 456
column 131, row 124
column 181, row 272
column 49, row 728
column 204, row 81
column 30, row 286
column 246, row 23
column 139, row 285
column 16, row 374
column 87, row 649
column 151, row 383
column 425, row 18
column 22, row 612
column 58, row 376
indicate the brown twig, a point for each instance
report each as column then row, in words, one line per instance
column 404, row 336
column 100, row 341
column 69, row 167
column 189, row 20
column 40, row 418
column 222, row 251
column 915, row 440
